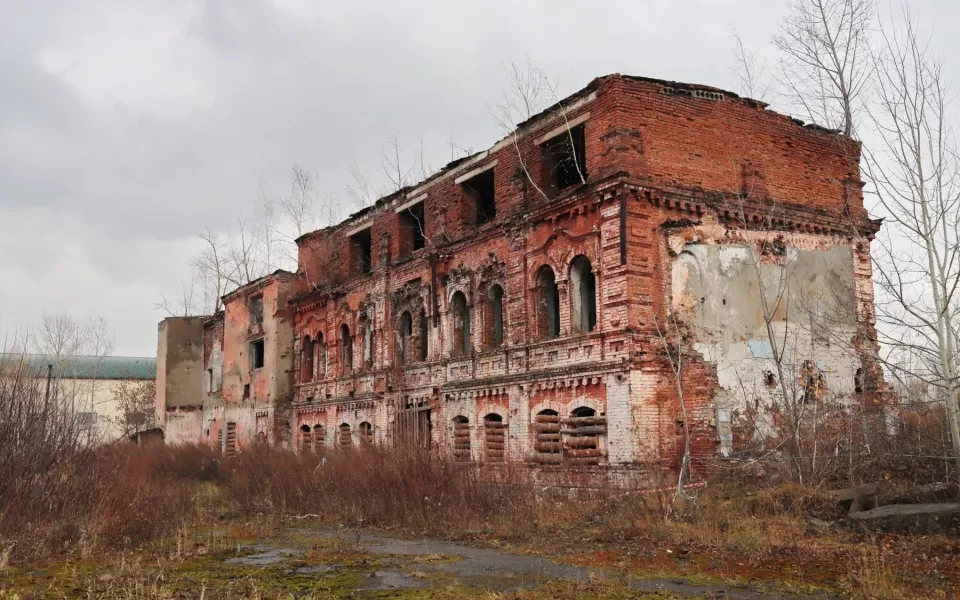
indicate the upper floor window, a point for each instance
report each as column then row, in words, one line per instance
column 480, row 198
column 406, row 337
column 257, row 352
column 548, row 303
column 564, row 158
column 320, row 348
column 361, row 252
column 306, row 360
column 460, row 314
column 346, row 350
column 423, row 339
column 367, row 339
column 583, row 314
column 413, row 229
column 494, row 317
column 255, row 306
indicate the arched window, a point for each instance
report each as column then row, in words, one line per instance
column 548, row 303
column 406, row 337
column 346, row 350
column 306, row 360
column 584, row 430
column 583, row 296
column 306, row 440
column 367, row 332
column 494, row 437
column 320, row 347
column 319, row 436
column 366, row 433
column 461, row 439
column 547, row 443
column 423, row 341
column 460, row 314
column 345, row 440
column 494, row 321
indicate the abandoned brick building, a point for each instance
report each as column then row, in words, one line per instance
column 554, row 298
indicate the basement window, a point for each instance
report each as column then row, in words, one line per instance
column 564, row 159
column 480, row 205
column 256, row 354
column 413, row 228
column 547, row 445
column 361, row 253
column 494, row 434
column 461, row 439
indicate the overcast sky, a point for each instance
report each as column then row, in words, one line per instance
column 126, row 127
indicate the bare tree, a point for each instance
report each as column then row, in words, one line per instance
column 135, row 406
column 825, row 58
column 915, row 174
column 750, row 69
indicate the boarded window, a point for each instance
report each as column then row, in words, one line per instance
column 230, row 447
column 461, row 439
column 306, row 439
column 345, row 440
column 460, row 314
column 366, row 433
column 220, row 439
column 582, row 437
column 564, row 159
column 546, row 428
column 548, row 303
column 346, row 350
column 306, row 360
column 319, row 437
column 494, row 437
column 480, row 199
column 584, row 295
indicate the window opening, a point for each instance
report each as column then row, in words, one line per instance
column 413, row 227
column 461, row 324
column 582, row 444
column 584, row 295
column 548, row 303
column 361, row 252
column 564, row 158
column 256, row 354
column 461, row 439
column 546, row 427
column 494, row 436
column 480, row 191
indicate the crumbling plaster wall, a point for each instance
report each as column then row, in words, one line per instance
column 726, row 288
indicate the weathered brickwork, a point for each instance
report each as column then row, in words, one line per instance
column 524, row 303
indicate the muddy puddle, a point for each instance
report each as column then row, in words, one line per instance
column 411, row 564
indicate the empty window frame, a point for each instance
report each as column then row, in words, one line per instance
column 461, row 439
column 257, row 350
column 255, row 306
column 547, row 445
column 320, row 355
column 423, row 339
column 406, row 337
column 548, row 303
column 306, row 360
column 345, row 440
column 367, row 332
column 583, row 299
column 460, row 316
column 494, row 437
column 413, row 228
column 564, row 159
column 480, row 204
column 494, row 321
column 346, row 350
column 582, row 444
column 361, row 252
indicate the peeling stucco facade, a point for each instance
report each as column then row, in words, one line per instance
column 528, row 325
